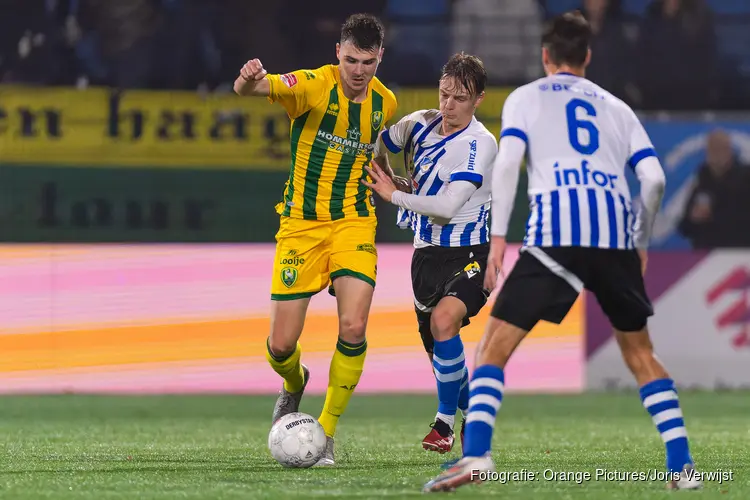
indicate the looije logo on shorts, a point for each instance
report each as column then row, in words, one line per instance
column 292, row 259
column 289, row 276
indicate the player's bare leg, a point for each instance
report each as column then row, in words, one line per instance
column 354, row 298
column 660, row 399
column 450, row 371
column 498, row 343
column 283, row 353
column 638, row 354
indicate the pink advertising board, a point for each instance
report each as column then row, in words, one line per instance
column 194, row 318
column 700, row 328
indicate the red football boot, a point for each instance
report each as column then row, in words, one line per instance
column 440, row 438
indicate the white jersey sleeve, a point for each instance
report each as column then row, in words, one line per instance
column 640, row 143
column 470, row 160
column 445, row 205
column 395, row 137
column 516, row 121
column 645, row 163
column 505, row 182
column 519, row 115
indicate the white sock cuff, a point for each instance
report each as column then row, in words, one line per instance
column 448, row 419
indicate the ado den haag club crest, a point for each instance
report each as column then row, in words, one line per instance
column 376, row 119
column 289, row 276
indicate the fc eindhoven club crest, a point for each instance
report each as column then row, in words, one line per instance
column 425, row 164
column 289, row 276
column 376, row 119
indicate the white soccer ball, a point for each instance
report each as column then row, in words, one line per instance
column 297, row 440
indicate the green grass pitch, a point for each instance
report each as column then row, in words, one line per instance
column 214, row 447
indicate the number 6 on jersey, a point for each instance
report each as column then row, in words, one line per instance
column 575, row 124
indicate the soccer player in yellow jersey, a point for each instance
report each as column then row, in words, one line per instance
column 327, row 230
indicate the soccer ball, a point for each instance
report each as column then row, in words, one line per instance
column 297, row 440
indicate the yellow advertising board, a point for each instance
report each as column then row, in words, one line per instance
column 99, row 127
column 102, row 127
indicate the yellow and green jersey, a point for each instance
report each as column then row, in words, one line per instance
column 332, row 140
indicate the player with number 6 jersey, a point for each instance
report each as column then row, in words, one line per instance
column 579, row 195
column 583, row 233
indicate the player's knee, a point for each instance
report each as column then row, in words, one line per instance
column 352, row 328
column 287, row 320
column 283, row 338
column 444, row 324
column 280, row 346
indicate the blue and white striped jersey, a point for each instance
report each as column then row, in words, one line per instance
column 434, row 161
column 579, row 141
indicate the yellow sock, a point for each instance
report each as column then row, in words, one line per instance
column 346, row 369
column 289, row 367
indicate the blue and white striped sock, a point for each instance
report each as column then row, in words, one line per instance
column 660, row 400
column 485, row 396
column 463, row 395
column 449, row 366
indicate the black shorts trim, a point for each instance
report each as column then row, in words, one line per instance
column 546, row 281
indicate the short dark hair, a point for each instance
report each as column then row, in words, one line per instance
column 365, row 31
column 567, row 38
column 468, row 70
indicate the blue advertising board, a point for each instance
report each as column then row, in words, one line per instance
column 681, row 146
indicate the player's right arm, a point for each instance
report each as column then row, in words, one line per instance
column 393, row 139
column 252, row 80
column 505, row 173
column 298, row 91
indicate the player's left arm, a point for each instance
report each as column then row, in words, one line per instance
column 442, row 206
column 647, row 167
column 467, row 162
